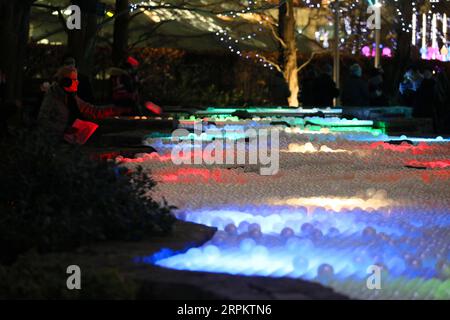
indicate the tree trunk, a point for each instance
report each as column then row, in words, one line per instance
column 14, row 31
column 121, row 24
column 288, row 49
column 81, row 43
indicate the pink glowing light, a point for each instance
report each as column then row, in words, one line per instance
column 366, row 51
column 421, row 148
column 199, row 175
column 387, row 52
column 371, row 52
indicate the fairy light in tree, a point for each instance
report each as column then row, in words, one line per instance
column 352, row 40
column 232, row 44
column 434, row 45
column 444, row 28
column 424, row 36
column 444, row 51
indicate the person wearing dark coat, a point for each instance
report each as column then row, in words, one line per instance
column 62, row 107
column 279, row 90
column 411, row 82
column 376, row 89
column 307, row 87
column 325, row 88
column 85, row 91
column 425, row 98
column 125, row 85
column 355, row 92
column 441, row 114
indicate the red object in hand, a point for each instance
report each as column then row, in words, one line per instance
column 80, row 132
column 73, row 87
column 153, row 107
column 133, row 62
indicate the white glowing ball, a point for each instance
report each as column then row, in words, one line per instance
column 259, row 252
column 300, row 264
column 247, row 245
column 194, row 253
column 211, row 251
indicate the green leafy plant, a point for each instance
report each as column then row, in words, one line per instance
column 55, row 198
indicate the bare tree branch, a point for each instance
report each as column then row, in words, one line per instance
column 272, row 63
column 310, row 59
column 276, row 36
column 149, row 34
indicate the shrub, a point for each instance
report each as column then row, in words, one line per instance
column 54, row 198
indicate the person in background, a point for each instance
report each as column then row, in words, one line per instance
column 425, row 96
column 279, row 90
column 442, row 103
column 408, row 87
column 85, row 91
column 125, row 85
column 62, row 106
column 377, row 97
column 325, row 88
column 307, row 87
column 356, row 90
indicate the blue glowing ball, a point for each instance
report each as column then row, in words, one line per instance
column 325, row 271
column 369, row 232
column 333, row 232
column 287, row 232
column 231, row 229
column 243, row 227
column 307, row 228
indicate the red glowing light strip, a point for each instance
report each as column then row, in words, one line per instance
column 436, row 164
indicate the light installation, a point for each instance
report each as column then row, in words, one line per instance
column 434, row 45
column 331, row 247
column 329, row 239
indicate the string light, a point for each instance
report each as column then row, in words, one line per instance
column 356, row 35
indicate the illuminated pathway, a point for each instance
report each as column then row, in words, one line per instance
column 341, row 202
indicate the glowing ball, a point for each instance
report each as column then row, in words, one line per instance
column 387, row 52
column 211, row 251
column 287, row 232
column 300, row 264
column 366, row 51
column 307, row 228
column 325, row 271
column 247, row 245
column 231, row 229
column 369, row 232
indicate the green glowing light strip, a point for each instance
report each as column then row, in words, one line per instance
column 350, row 123
column 277, row 110
column 349, row 129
